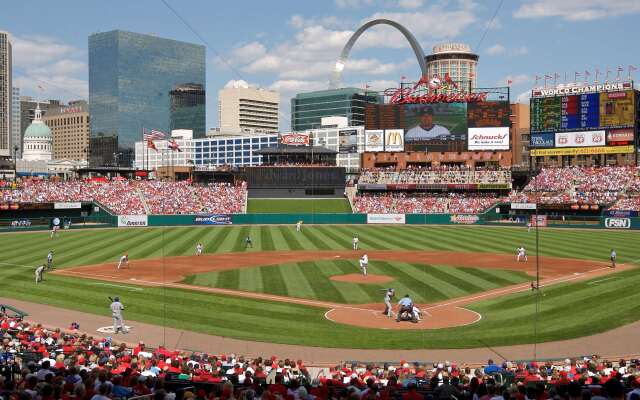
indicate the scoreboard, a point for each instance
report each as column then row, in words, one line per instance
column 583, row 111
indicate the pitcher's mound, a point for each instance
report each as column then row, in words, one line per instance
column 359, row 278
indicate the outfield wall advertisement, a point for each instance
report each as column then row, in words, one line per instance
column 132, row 220
column 212, row 219
column 572, row 151
column 386, row 219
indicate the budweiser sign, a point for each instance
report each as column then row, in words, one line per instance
column 294, row 139
column 418, row 95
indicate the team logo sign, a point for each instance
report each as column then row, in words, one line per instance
column 617, row 223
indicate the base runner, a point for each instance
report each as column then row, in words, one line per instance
column 522, row 254
column 124, row 261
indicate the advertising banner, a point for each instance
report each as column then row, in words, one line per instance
column 394, row 140
column 583, row 150
column 620, row 213
column 541, row 220
column 523, row 206
column 466, row 219
column 385, row 219
column 620, row 135
column 543, row 139
column 617, row 223
column 66, row 205
column 488, row 138
column 294, row 139
column 374, row 140
column 580, row 139
column 212, row 219
column 132, row 220
column 348, row 140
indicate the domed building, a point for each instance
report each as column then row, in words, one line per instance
column 38, row 140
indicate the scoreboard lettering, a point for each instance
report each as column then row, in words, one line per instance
column 583, row 111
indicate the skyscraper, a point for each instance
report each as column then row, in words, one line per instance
column 16, row 133
column 455, row 60
column 5, row 95
column 187, row 109
column 241, row 107
column 131, row 80
column 307, row 109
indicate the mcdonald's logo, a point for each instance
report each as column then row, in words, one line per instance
column 394, row 140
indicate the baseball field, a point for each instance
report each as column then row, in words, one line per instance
column 305, row 288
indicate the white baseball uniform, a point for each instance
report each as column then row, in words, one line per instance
column 356, row 241
column 364, row 262
column 199, row 249
column 522, row 254
column 124, row 261
column 299, row 226
column 116, row 313
column 39, row 272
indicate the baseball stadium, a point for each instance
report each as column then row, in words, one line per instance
column 411, row 257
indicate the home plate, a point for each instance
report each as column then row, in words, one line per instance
column 337, row 256
column 577, row 273
column 132, row 279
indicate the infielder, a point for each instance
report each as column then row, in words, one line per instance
column 613, row 258
column 39, row 272
column 124, row 261
column 54, row 231
column 522, row 254
column 199, row 249
column 50, row 259
column 116, row 313
column 299, row 226
column 248, row 242
column 388, row 310
column 529, row 226
column 356, row 242
column 364, row 262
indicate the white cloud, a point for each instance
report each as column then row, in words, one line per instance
column 524, row 97
column 410, row 4
column 57, row 68
column 496, row 49
column 299, row 22
column 248, row 52
column 354, row 3
column 577, row 10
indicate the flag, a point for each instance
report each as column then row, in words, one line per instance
column 154, row 135
column 587, row 73
column 548, row 77
column 632, row 68
column 509, row 82
column 450, row 81
column 403, row 78
column 620, row 69
column 173, row 145
column 151, row 145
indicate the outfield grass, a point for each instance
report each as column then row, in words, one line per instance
column 568, row 310
column 310, row 280
column 313, row 206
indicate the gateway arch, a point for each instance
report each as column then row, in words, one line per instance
column 335, row 81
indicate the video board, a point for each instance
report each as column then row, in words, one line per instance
column 444, row 126
column 601, row 110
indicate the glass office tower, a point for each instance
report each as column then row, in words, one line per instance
column 187, row 109
column 131, row 80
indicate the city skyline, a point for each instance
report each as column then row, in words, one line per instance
column 291, row 47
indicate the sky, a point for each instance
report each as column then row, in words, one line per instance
column 292, row 46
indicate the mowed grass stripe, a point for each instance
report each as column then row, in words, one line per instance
column 341, row 242
column 273, row 281
column 425, row 283
column 483, row 274
column 512, row 277
column 239, row 244
column 323, row 289
column 229, row 279
column 214, row 239
column 369, row 243
column 279, row 242
column 468, row 279
column 389, row 239
column 425, row 290
column 250, row 280
column 443, row 274
column 289, row 238
column 266, row 239
column 296, row 282
column 315, row 240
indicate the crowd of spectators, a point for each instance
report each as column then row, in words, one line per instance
column 436, row 176
column 130, row 196
column 416, row 203
column 69, row 365
column 585, row 185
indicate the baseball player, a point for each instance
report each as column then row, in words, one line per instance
column 50, row 259
column 199, row 249
column 116, row 313
column 248, row 242
column 364, row 262
column 388, row 310
column 522, row 254
column 355, row 242
column 299, row 226
column 39, row 272
column 54, row 231
column 417, row 313
column 529, row 226
column 124, row 261
column 613, row 258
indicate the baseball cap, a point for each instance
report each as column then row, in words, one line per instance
column 426, row 110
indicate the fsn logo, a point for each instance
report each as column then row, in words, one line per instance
column 617, row 223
